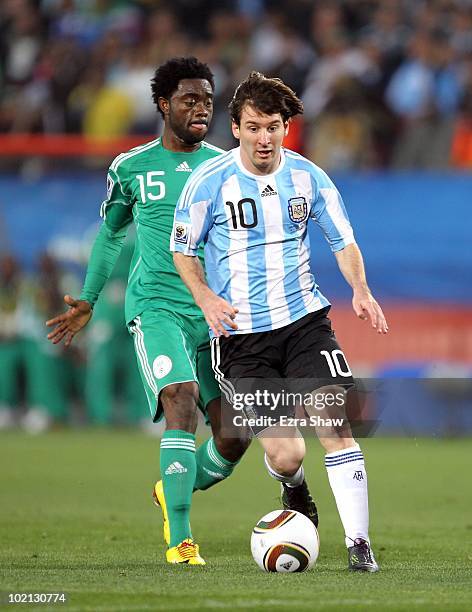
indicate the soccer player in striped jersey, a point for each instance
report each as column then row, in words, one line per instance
column 267, row 317
column 170, row 333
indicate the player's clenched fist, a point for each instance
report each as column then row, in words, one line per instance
column 69, row 323
column 219, row 313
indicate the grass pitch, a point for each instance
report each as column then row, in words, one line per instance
column 76, row 516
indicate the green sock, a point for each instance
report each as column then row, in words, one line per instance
column 178, row 471
column 211, row 466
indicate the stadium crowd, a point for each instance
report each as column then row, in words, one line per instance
column 380, row 79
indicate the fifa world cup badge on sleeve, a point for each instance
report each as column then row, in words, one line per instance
column 181, row 232
column 298, row 209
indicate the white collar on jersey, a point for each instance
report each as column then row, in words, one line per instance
column 237, row 157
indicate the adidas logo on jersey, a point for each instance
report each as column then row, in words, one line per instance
column 183, row 167
column 176, row 468
column 268, row 191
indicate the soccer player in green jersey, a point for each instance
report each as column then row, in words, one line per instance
column 169, row 330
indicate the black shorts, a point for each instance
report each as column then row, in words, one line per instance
column 306, row 352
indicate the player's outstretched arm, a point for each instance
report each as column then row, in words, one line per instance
column 105, row 252
column 365, row 306
column 69, row 323
column 117, row 215
column 217, row 311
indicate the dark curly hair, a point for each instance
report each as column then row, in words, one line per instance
column 167, row 76
column 268, row 96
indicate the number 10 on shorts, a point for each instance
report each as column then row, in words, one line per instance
column 334, row 363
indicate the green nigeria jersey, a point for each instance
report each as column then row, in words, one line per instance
column 144, row 185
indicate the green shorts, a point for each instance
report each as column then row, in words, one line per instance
column 173, row 348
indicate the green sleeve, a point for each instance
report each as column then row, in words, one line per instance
column 117, row 214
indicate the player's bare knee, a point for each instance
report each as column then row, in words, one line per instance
column 285, row 459
column 180, row 394
column 179, row 402
column 284, row 465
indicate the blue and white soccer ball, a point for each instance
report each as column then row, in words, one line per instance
column 285, row 541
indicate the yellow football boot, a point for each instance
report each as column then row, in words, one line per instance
column 186, row 552
column 160, row 501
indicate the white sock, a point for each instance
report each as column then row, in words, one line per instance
column 291, row 481
column 348, row 480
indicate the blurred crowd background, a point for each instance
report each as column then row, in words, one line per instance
column 387, row 89
column 378, row 78
column 94, row 381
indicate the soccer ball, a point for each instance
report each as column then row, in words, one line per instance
column 285, row 541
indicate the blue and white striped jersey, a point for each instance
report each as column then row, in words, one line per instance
column 255, row 235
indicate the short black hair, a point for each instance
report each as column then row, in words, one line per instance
column 167, row 76
column 267, row 95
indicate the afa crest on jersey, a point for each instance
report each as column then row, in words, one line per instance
column 298, row 209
